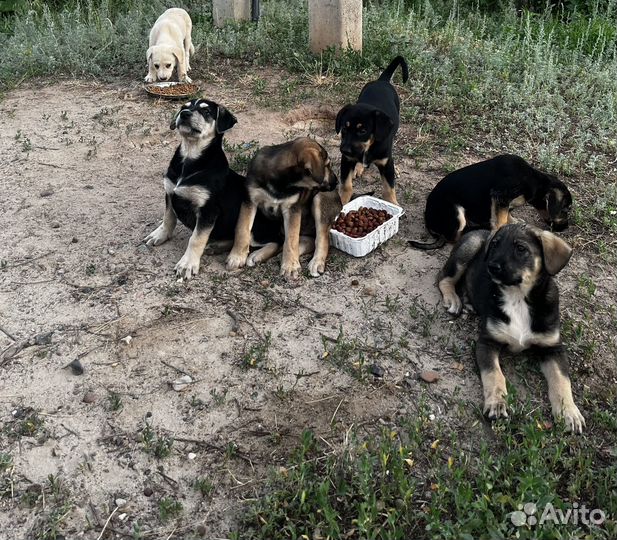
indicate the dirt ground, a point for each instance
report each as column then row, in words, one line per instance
column 81, row 177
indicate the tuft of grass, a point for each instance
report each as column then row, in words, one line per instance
column 204, row 486
column 256, row 356
column 169, row 508
column 158, row 446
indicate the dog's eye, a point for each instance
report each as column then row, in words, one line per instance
column 521, row 249
column 362, row 131
column 167, row 66
column 156, row 66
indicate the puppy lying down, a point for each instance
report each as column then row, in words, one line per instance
column 170, row 46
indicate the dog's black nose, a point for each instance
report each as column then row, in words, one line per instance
column 185, row 112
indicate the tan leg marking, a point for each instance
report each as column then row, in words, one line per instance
column 346, row 187
column 165, row 230
column 389, row 194
column 242, row 241
column 451, row 300
column 499, row 216
column 263, row 254
column 290, row 265
column 560, row 396
column 188, row 265
column 494, row 387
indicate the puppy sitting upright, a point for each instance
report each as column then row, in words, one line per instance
column 367, row 132
column 292, row 183
column 170, row 46
column 508, row 278
column 200, row 188
column 483, row 194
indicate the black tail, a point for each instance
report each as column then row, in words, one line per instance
column 438, row 243
column 389, row 71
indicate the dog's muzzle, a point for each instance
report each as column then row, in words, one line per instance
column 330, row 184
column 558, row 225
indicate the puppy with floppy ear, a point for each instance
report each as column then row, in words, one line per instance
column 507, row 276
column 170, row 46
column 293, row 183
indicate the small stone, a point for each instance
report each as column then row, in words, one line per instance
column 47, row 192
column 377, row 370
column 43, row 339
column 355, row 283
column 182, row 383
column 111, row 251
column 200, row 530
column 368, row 291
column 122, row 516
column 127, row 340
column 429, row 376
column 264, row 283
column 148, row 492
column 74, row 240
column 458, row 366
column 89, row 397
column 192, row 456
column 76, row 367
column 120, row 502
column 55, row 225
column 232, row 333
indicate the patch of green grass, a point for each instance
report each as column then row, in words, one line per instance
column 6, row 461
column 256, row 356
column 204, row 486
column 415, row 482
column 169, row 508
column 114, row 402
column 158, row 446
column 27, row 424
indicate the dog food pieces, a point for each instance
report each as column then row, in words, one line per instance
column 174, row 90
column 359, row 223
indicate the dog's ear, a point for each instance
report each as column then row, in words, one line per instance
column 224, row 120
column 383, row 125
column 312, row 163
column 149, row 54
column 339, row 118
column 173, row 122
column 556, row 252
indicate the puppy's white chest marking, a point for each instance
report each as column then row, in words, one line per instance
column 517, row 333
column 273, row 206
column 197, row 195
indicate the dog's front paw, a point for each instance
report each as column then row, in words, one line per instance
column 316, row 267
column 157, row 236
column 187, row 266
column 150, row 78
column 452, row 303
column 572, row 418
column 290, row 269
column 235, row 260
column 185, row 78
column 495, row 407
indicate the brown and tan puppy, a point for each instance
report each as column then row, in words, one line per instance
column 292, row 182
column 170, row 46
column 507, row 276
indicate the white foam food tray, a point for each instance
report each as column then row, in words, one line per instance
column 359, row 247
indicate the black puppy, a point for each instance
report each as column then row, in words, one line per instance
column 367, row 132
column 508, row 278
column 483, row 194
column 200, row 188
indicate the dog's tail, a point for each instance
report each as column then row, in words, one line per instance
column 389, row 71
column 438, row 243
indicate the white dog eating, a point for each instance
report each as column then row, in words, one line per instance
column 170, row 45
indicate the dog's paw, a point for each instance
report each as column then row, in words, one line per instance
column 187, row 267
column 316, row 267
column 290, row 269
column 253, row 259
column 185, row 78
column 150, row 78
column 495, row 407
column 235, row 261
column 157, row 236
column 453, row 303
column 572, row 417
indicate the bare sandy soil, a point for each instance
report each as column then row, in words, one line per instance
column 81, row 181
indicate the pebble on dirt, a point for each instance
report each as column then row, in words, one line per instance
column 182, row 383
column 89, row 397
column 76, row 367
column 429, row 376
column 377, row 370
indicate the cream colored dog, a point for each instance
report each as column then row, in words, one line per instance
column 170, row 45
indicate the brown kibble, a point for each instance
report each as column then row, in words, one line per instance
column 174, row 90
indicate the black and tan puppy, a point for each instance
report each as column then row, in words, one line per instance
column 483, row 194
column 200, row 188
column 508, row 278
column 367, row 132
column 294, row 183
